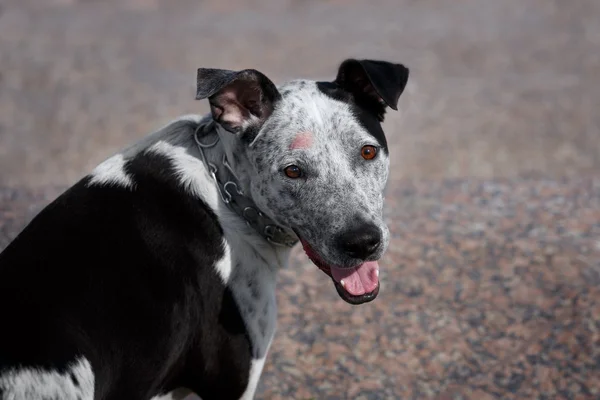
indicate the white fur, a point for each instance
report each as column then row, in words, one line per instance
column 224, row 266
column 255, row 372
column 190, row 169
column 111, row 172
column 39, row 384
column 179, row 394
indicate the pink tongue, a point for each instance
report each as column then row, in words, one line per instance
column 359, row 280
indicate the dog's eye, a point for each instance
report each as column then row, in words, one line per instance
column 368, row 152
column 293, row 171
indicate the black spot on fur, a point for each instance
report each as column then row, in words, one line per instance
column 283, row 126
column 262, row 326
column 232, row 322
column 236, row 158
column 254, row 289
column 250, row 134
column 74, row 378
column 367, row 117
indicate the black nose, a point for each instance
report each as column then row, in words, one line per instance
column 360, row 242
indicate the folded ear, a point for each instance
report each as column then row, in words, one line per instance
column 238, row 99
column 374, row 84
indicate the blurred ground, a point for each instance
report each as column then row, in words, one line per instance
column 492, row 279
column 504, row 88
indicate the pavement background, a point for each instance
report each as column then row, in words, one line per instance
column 491, row 288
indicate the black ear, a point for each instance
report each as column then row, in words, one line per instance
column 237, row 99
column 374, row 84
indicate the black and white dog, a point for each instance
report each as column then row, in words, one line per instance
column 157, row 271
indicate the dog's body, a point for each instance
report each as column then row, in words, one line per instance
column 144, row 278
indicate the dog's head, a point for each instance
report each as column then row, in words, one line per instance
column 314, row 157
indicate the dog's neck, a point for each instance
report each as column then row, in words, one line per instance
column 181, row 140
column 231, row 177
column 249, row 264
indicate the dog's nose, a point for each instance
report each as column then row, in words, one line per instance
column 361, row 242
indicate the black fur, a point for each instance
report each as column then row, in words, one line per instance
column 126, row 279
column 373, row 84
column 367, row 117
column 369, row 86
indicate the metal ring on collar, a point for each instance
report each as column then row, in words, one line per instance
column 203, row 145
column 237, row 189
column 245, row 213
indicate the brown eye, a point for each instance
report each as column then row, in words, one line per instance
column 293, row 171
column 368, row 152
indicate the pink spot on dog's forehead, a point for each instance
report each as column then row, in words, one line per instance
column 303, row 140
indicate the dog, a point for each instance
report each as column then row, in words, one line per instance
column 155, row 274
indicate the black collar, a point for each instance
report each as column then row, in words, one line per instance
column 232, row 194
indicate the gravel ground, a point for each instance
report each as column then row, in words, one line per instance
column 490, row 290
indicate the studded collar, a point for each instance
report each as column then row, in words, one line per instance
column 232, row 195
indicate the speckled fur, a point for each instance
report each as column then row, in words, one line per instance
column 339, row 187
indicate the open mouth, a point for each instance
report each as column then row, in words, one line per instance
column 355, row 285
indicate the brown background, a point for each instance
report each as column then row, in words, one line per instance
column 491, row 285
column 498, row 88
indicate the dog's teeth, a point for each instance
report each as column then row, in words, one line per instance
column 377, row 273
column 343, row 283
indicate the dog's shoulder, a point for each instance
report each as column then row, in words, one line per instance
column 111, row 256
column 133, row 249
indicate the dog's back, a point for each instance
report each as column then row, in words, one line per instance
column 119, row 281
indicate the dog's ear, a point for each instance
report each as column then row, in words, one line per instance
column 374, row 84
column 238, row 99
